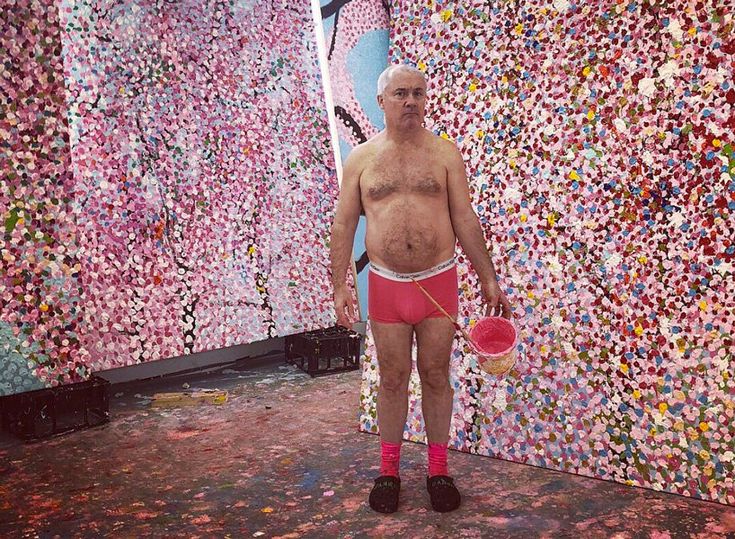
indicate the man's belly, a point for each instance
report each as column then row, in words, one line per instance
column 405, row 239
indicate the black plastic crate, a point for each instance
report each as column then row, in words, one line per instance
column 41, row 413
column 324, row 351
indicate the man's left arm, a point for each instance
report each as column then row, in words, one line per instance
column 469, row 232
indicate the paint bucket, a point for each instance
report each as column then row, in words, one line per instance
column 494, row 339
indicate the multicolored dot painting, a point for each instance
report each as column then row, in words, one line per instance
column 40, row 288
column 172, row 185
column 598, row 139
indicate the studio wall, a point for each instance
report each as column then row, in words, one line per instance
column 181, row 185
column 598, row 143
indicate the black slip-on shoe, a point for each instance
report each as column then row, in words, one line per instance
column 444, row 495
column 384, row 496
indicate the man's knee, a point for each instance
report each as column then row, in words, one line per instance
column 434, row 377
column 394, row 379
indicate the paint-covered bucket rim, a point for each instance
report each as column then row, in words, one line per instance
column 495, row 320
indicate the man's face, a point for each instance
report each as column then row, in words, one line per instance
column 404, row 99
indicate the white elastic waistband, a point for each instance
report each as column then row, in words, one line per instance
column 395, row 276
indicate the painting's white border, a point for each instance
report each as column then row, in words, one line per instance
column 316, row 12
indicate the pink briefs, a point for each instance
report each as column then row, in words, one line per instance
column 393, row 298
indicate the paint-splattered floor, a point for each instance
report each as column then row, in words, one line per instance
column 283, row 458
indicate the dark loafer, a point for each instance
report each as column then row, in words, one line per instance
column 444, row 495
column 384, row 496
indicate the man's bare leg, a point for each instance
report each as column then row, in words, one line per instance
column 434, row 339
column 393, row 344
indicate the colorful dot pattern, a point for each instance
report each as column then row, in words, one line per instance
column 598, row 143
column 190, row 183
column 40, row 286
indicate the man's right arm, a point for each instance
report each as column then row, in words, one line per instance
column 343, row 236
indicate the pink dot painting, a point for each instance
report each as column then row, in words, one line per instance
column 598, row 142
column 188, row 187
column 40, row 289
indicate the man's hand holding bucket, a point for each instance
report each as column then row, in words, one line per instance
column 494, row 299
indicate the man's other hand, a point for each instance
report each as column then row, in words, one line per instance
column 495, row 300
column 344, row 307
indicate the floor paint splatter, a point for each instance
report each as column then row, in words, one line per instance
column 265, row 463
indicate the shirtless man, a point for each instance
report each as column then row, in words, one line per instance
column 413, row 189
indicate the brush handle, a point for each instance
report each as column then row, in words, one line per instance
column 444, row 312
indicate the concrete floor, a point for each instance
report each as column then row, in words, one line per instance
column 284, row 458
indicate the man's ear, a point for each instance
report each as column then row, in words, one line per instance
column 380, row 101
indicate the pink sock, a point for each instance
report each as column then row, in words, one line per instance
column 390, row 457
column 437, row 459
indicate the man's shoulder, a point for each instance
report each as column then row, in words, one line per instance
column 442, row 145
column 359, row 157
column 365, row 150
column 373, row 143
